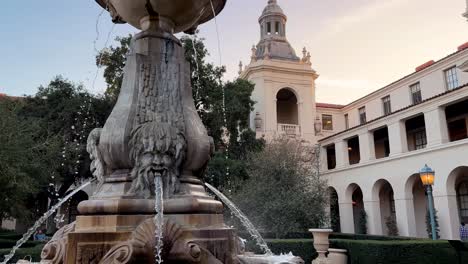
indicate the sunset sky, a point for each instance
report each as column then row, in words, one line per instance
column 357, row 46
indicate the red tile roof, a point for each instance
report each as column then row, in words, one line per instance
column 463, row 46
column 425, row 65
column 333, row 106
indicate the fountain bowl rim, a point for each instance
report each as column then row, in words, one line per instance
column 207, row 16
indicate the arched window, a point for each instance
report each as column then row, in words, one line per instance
column 286, row 107
column 462, row 195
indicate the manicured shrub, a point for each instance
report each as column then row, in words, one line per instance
column 391, row 224
column 401, row 252
column 369, row 237
column 428, row 224
column 10, row 236
column 24, row 253
column 9, row 243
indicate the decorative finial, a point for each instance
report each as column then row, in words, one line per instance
column 272, row 2
column 266, row 54
column 308, row 58
column 253, row 57
column 304, row 54
column 240, row 67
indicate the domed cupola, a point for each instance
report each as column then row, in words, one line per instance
column 273, row 43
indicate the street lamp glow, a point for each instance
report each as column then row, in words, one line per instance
column 427, row 176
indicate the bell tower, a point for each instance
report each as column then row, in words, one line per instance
column 284, row 83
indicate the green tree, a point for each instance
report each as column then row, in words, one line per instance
column 428, row 224
column 362, row 222
column 284, row 192
column 392, row 226
column 66, row 112
column 113, row 61
column 25, row 162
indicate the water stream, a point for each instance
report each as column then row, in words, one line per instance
column 159, row 218
column 41, row 220
column 245, row 221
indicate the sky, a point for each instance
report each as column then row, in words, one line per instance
column 357, row 46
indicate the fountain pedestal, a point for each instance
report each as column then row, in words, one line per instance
column 153, row 131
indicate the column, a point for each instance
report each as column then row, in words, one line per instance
column 366, row 146
column 323, row 159
column 397, row 138
column 436, row 127
column 274, row 118
column 300, row 118
column 404, row 210
column 341, row 150
column 374, row 220
column 447, row 213
column 346, row 217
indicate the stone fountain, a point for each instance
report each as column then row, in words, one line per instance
column 153, row 131
column 153, row 134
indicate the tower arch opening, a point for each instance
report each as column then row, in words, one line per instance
column 286, row 107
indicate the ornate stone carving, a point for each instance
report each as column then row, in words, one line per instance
column 97, row 163
column 91, row 253
column 55, row 250
column 158, row 150
column 177, row 247
column 119, row 254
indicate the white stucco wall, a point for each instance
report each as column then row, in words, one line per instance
column 432, row 82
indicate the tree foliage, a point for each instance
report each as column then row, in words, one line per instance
column 284, row 192
column 25, row 161
column 113, row 61
column 428, row 224
column 45, row 139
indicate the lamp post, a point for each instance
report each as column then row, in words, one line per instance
column 427, row 177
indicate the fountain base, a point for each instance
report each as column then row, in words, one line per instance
column 189, row 238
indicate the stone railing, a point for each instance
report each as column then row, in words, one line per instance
column 289, row 129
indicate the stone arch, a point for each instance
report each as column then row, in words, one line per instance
column 334, row 209
column 382, row 192
column 457, row 185
column 287, row 110
column 354, row 194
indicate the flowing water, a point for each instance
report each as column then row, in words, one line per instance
column 159, row 218
column 245, row 221
column 41, row 220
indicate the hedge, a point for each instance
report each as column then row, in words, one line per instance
column 308, row 235
column 33, row 252
column 370, row 237
column 9, row 243
column 403, row 251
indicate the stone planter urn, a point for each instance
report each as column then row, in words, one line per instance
column 321, row 244
column 337, row 256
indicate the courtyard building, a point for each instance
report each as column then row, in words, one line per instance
column 372, row 148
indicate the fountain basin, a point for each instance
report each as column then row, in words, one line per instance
column 175, row 15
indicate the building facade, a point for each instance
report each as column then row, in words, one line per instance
column 284, row 83
column 372, row 148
